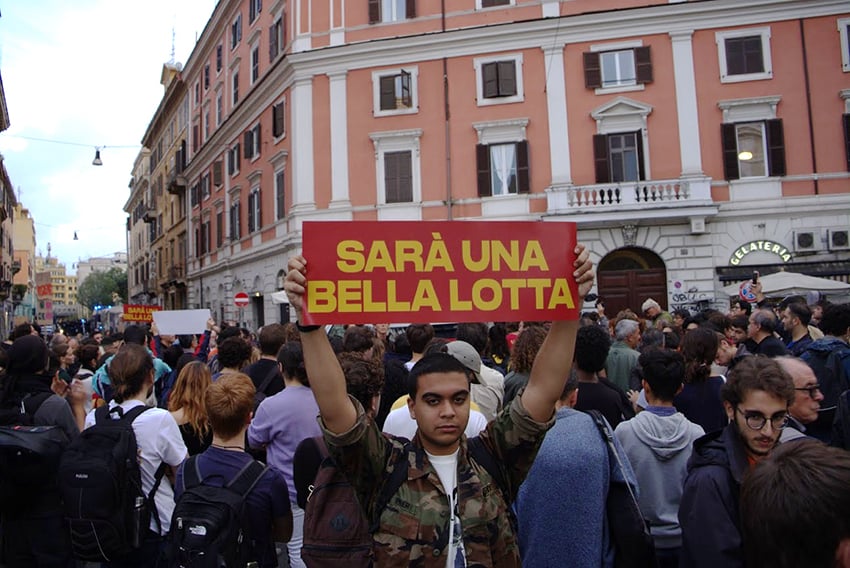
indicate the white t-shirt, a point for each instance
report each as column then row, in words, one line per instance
column 399, row 423
column 158, row 439
column 446, row 467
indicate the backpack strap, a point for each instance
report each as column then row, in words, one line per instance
column 608, row 437
column 268, row 380
column 476, row 449
column 247, row 478
column 391, row 486
column 191, row 473
column 32, row 402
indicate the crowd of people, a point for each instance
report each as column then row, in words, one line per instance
column 482, row 449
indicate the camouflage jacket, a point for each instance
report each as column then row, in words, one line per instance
column 414, row 525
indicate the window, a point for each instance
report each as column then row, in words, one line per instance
column 753, row 149
column 845, row 118
column 280, row 194
column 235, row 229
column 206, row 76
column 205, row 186
column 218, row 174
column 236, row 31
column 499, row 79
column 255, row 64
column 391, row 10
column 278, row 120
column 205, row 237
column 614, row 66
column 618, row 157
column 233, row 157
column 254, row 9
column 219, row 228
column 395, row 91
column 492, row 3
column 219, row 108
column 206, row 124
column 197, row 92
column 502, row 168
column 275, row 39
column 252, row 143
column 218, row 58
column 398, row 177
column 194, row 194
column 235, row 90
column 844, row 34
column 255, row 220
column 744, row 55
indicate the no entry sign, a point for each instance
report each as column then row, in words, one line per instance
column 240, row 299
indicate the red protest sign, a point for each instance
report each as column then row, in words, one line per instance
column 428, row 271
column 139, row 312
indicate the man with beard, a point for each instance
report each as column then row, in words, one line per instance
column 756, row 398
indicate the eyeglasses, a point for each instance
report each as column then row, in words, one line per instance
column 810, row 389
column 757, row 420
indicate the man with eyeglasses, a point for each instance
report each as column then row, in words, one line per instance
column 756, row 397
column 804, row 409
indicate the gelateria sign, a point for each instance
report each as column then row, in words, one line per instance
column 765, row 246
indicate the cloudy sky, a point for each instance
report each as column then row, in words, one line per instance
column 80, row 75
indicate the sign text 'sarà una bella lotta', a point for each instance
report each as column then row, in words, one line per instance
column 368, row 272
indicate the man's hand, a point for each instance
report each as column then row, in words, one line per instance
column 584, row 273
column 294, row 283
column 154, row 328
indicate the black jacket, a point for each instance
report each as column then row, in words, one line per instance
column 709, row 512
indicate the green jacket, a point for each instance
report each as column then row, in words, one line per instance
column 413, row 526
column 619, row 364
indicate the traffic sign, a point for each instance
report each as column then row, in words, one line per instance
column 240, row 299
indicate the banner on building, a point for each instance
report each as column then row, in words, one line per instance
column 439, row 271
column 139, row 312
column 44, row 290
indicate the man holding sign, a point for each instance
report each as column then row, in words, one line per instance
column 451, row 508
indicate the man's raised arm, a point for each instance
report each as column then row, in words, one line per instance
column 326, row 378
column 555, row 357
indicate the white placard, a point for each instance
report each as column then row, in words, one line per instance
column 177, row 322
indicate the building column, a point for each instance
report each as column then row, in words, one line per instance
column 556, row 103
column 303, row 190
column 339, row 140
column 686, row 103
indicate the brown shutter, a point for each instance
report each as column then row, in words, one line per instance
column 411, row 9
column 639, row 147
column 272, row 43
column 643, row 65
column 388, row 92
column 490, row 76
column 238, row 158
column 405, row 177
column 522, row 175
column 592, row 70
column 259, row 204
column 374, row 11
column 729, row 138
column 846, row 120
column 507, row 78
column 600, row 158
column 775, row 147
column 482, row 159
column 258, row 139
column 277, row 120
column 391, row 177
column 196, row 135
column 247, row 138
column 251, row 227
column 217, row 173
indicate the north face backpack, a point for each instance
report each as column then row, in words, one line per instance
column 106, row 511
column 29, row 455
column 209, row 528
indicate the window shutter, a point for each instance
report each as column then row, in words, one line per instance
column 238, row 158
column 217, row 173
column 258, row 202
column 600, row 158
column 196, row 135
column 592, row 70
column 247, row 139
column 391, row 177
column 272, row 42
column 729, row 137
column 411, row 9
column 198, row 242
column 230, row 164
column 251, row 197
column 482, row 159
column 522, row 174
column 258, row 139
column 640, row 160
column 775, row 147
column 490, row 76
column 406, row 99
column 388, row 92
column 846, row 119
column 277, row 120
column 182, row 155
column 374, row 11
column 507, row 78
column 405, row 177
column 643, row 65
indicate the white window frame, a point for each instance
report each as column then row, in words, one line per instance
column 278, row 162
column 623, row 115
column 721, row 37
column 254, row 212
column 234, row 88
column 490, row 133
column 402, row 17
column 255, row 60
column 255, row 142
column 845, row 44
column 618, row 46
column 398, row 141
column 414, row 91
column 478, row 64
column 219, row 106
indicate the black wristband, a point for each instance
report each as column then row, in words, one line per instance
column 306, row 328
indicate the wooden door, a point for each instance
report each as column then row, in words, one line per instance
column 621, row 289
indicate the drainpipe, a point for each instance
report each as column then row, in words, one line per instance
column 809, row 106
column 447, row 116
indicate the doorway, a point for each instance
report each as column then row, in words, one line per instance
column 628, row 276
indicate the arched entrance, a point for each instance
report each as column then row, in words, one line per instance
column 628, row 276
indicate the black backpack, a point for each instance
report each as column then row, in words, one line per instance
column 29, row 454
column 106, row 511
column 336, row 531
column 209, row 527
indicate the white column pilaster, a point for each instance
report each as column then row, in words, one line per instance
column 556, row 103
column 339, row 140
column 686, row 103
column 301, row 110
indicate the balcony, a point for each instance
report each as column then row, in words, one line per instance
column 669, row 200
column 149, row 216
column 176, row 183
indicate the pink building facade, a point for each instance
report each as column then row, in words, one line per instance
column 692, row 142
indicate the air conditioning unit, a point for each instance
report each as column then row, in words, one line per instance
column 839, row 239
column 806, row 241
